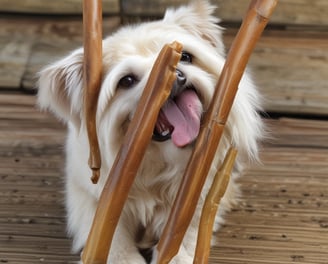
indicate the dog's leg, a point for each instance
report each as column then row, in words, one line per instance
column 81, row 207
column 186, row 251
column 123, row 249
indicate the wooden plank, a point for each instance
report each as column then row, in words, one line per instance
column 19, row 118
column 154, row 8
column 33, row 258
column 283, row 216
column 282, row 219
column 32, row 215
column 53, row 7
column 29, row 43
column 298, row 132
column 290, row 68
column 301, row 12
column 33, row 245
column 293, row 12
column 16, row 41
column 57, row 39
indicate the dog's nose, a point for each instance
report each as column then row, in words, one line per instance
column 179, row 83
column 181, row 78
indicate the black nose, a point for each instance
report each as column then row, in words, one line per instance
column 181, row 78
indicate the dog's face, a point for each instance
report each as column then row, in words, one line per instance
column 128, row 57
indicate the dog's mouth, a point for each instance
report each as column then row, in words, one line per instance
column 179, row 119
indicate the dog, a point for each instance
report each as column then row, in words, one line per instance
column 128, row 57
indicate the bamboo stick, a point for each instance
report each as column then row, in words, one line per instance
column 212, row 129
column 211, row 205
column 92, row 73
column 130, row 155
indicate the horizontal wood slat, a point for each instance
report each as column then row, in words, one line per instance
column 300, row 12
column 282, row 217
column 290, row 67
column 57, row 7
column 283, row 214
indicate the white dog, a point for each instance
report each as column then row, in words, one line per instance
column 128, row 56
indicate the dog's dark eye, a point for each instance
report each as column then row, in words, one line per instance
column 186, row 57
column 127, row 81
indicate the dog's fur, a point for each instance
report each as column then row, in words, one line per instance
column 132, row 51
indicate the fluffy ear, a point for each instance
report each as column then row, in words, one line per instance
column 60, row 87
column 199, row 20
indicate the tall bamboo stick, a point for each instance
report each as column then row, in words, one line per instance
column 212, row 129
column 211, row 205
column 92, row 72
column 130, row 155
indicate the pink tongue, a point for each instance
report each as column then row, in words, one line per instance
column 184, row 115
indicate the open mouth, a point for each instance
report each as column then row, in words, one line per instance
column 179, row 119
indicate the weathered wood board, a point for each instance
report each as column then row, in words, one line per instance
column 290, row 67
column 291, row 71
column 67, row 7
column 16, row 41
column 301, row 12
column 58, row 38
column 282, row 216
column 29, row 43
column 287, row 12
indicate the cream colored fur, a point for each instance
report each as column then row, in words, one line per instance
column 133, row 49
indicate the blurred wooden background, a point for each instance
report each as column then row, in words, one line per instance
column 290, row 61
column 284, row 214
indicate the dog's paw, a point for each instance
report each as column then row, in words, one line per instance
column 181, row 258
column 127, row 259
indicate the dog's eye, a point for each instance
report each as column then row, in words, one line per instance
column 186, row 57
column 127, row 81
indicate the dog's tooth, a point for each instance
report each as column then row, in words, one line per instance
column 165, row 132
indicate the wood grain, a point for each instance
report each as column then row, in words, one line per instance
column 53, row 7
column 289, row 66
column 282, row 216
column 290, row 12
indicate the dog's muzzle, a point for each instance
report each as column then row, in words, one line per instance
column 179, row 118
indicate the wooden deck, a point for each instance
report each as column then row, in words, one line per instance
column 282, row 218
column 283, row 215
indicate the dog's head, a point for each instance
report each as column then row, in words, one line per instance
column 128, row 56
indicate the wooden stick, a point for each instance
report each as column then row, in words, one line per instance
column 212, row 129
column 211, row 204
column 131, row 154
column 92, row 73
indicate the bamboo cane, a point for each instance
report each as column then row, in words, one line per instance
column 211, row 205
column 130, row 155
column 92, row 72
column 212, row 129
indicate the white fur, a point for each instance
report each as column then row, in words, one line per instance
column 133, row 49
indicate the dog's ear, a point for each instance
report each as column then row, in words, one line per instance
column 60, row 87
column 199, row 20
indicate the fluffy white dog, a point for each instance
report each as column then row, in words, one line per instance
column 128, row 56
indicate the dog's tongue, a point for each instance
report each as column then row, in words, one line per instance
column 184, row 115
